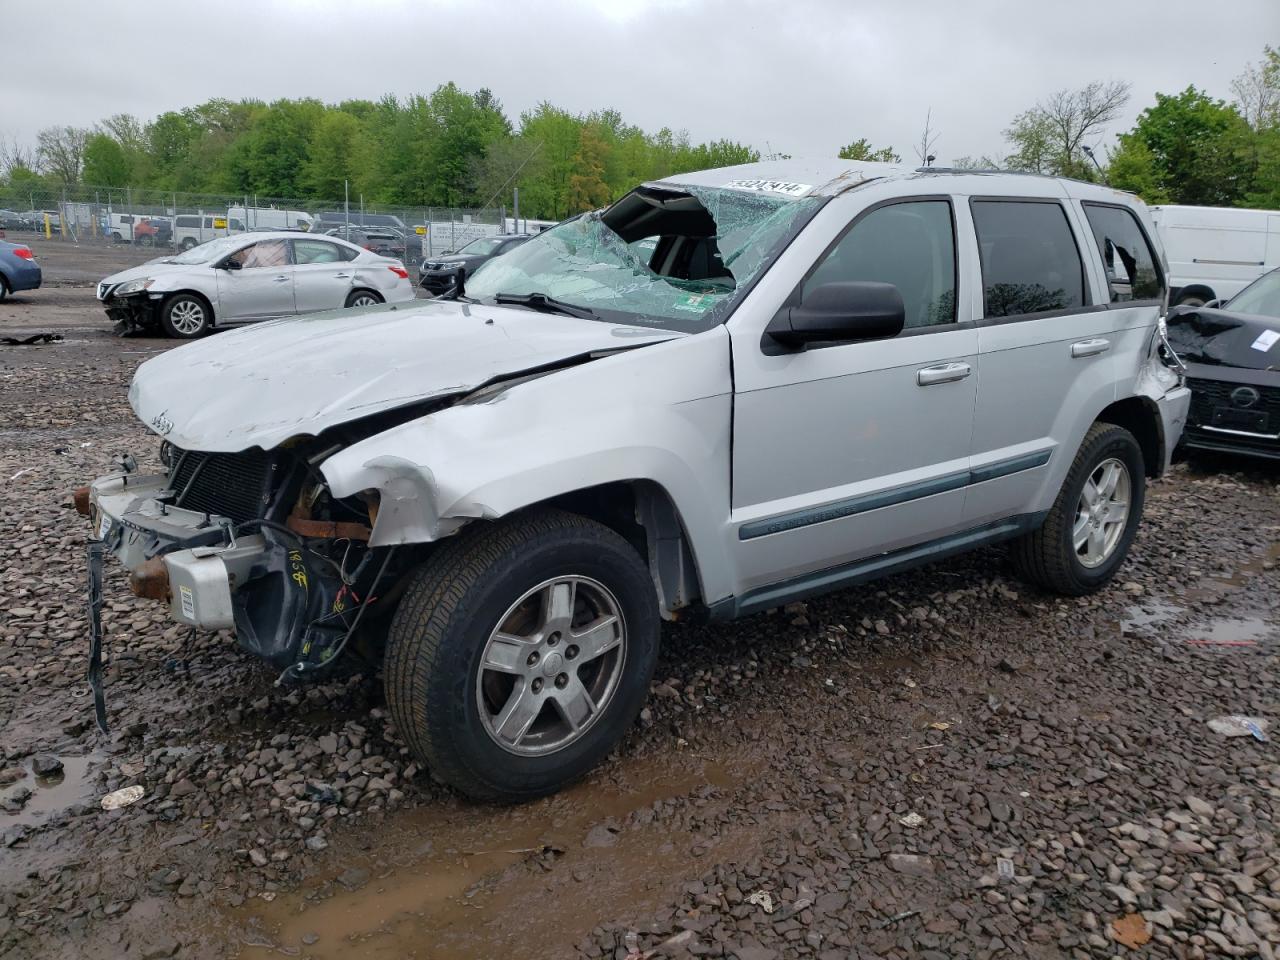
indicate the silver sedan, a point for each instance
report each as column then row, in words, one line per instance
column 250, row 277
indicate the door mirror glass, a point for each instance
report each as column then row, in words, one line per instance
column 842, row 310
column 231, row 264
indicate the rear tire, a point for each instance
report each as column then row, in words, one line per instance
column 362, row 298
column 186, row 316
column 188, row 243
column 4, row 289
column 1054, row 556
column 497, row 596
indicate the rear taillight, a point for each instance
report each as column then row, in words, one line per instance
column 400, row 272
column 24, row 253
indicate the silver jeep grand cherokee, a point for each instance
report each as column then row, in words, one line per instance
column 729, row 390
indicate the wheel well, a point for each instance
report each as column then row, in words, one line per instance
column 1196, row 289
column 643, row 514
column 369, row 290
column 213, row 316
column 1141, row 418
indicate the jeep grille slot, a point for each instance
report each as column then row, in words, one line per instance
column 233, row 485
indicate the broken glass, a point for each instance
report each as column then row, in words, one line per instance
column 723, row 239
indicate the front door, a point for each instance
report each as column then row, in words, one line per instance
column 845, row 451
column 263, row 286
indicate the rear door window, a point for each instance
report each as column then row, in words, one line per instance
column 315, row 251
column 1030, row 263
column 1132, row 273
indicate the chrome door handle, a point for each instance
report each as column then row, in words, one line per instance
column 943, row 373
column 342, row 276
column 281, row 279
column 1090, row 348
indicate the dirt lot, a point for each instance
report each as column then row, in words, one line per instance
column 947, row 764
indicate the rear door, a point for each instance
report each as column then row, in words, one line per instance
column 1046, row 351
column 263, row 286
column 322, row 275
column 844, row 451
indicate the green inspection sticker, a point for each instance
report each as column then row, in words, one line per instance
column 695, row 302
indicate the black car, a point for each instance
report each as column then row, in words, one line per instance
column 384, row 242
column 1232, row 355
column 439, row 274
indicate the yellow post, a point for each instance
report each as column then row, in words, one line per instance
column 48, row 231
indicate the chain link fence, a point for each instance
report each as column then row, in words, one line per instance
column 176, row 221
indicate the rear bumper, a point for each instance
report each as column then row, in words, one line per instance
column 23, row 276
column 186, row 558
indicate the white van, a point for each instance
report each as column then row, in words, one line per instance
column 120, row 226
column 1215, row 252
column 191, row 229
column 271, row 218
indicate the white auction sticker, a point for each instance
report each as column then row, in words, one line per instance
column 771, row 186
column 1266, row 340
column 104, row 526
column 188, row 602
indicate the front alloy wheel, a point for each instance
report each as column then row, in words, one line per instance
column 1102, row 512
column 521, row 653
column 551, row 665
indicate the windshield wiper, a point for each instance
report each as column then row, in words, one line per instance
column 540, row 301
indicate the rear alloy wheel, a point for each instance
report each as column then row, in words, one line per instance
column 1087, row 533
column 363, row 298
column 4, row 289
column 522, row 653
column 185, row 317
column 188, row 243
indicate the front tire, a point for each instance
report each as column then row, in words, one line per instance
column 522, row 653
column 185, row 317
column 1093, row 522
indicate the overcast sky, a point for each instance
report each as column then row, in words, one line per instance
column 797, row 77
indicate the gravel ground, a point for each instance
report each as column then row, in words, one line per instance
column 947, row 764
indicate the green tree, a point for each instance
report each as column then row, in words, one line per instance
column 105, row 162
column 587, row 186
column 1051, row 136
column 1199, row 147
column 1132, row 166
column 861, row 149
column 332, row 155
column 61, row 153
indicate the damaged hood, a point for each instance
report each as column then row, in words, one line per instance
column 260, row 385
column 1225, row 338
column 152, row 268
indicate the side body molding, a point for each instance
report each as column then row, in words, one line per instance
column 659, row 413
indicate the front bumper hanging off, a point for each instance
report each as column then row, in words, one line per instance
column 189, row 558
column 134, row 313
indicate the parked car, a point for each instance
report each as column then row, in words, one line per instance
column 330, row 219
column 153, row 232
column 1215, row 252
column 193, row 229
column 440, row 274
column 825, row 373
column 249, row 277
column 18, row 269
column 124, row 227
column 12, row 220
column 386, row 243
column 1232, row 356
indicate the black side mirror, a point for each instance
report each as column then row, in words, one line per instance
column 843, row 310
column 229, row 264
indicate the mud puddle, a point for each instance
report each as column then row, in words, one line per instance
column 1230, row 632
column 480, row 882
column 50, row 795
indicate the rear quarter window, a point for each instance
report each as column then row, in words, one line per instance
column 1030, row 262
column 1130, row 263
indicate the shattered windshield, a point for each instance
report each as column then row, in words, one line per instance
column 662, row 257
